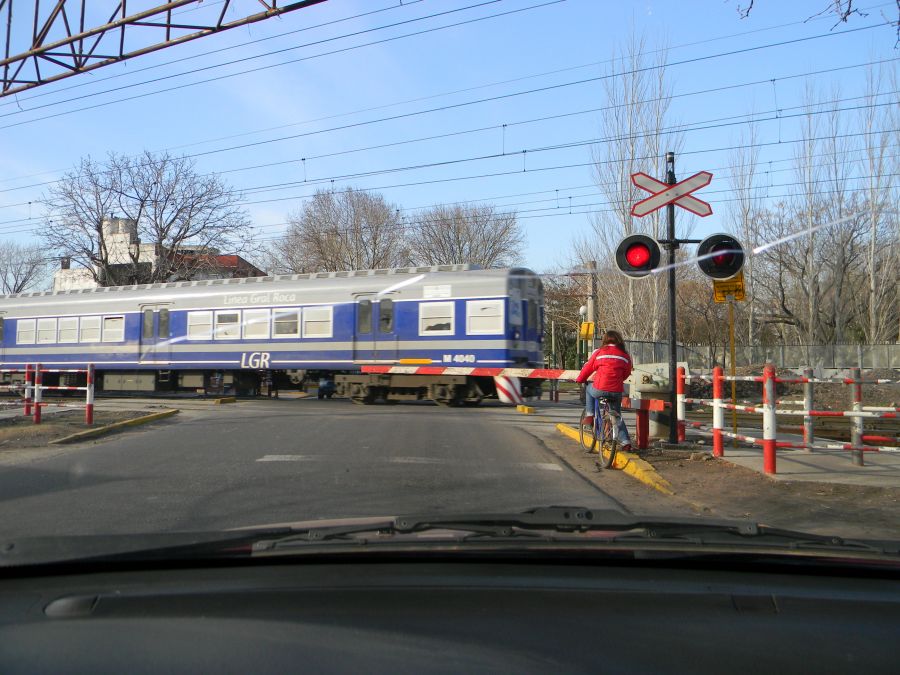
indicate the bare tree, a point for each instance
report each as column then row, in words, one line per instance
column 883, row 251
column 563, row 295
column 744, row 162
column 636, row 137
column 180, row 216
column 346, row 230
column 22, row 267
column 466, row 233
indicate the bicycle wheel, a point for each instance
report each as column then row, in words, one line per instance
column 608, row 442
column 586, row 434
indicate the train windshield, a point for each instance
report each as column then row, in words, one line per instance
column 335, row 261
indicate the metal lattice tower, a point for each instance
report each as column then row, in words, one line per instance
column 51, row 40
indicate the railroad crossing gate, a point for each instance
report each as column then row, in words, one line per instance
column 722, row 288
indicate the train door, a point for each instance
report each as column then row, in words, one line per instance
column 385, row 332
column 155, row 333
column 363, row 333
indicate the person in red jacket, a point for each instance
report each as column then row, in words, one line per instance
column 610, row 365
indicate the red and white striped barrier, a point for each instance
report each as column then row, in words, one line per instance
column 538, row 373
column 38, row 388
column 769, row 412
column 508, row 389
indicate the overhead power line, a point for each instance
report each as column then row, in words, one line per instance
column 479, row 129
column 245, row 59
column 283, row 63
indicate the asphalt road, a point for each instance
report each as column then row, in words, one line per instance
column 265, row 462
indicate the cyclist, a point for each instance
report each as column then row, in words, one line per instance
column 610, row 366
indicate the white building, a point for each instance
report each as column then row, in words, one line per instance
column 125, row 248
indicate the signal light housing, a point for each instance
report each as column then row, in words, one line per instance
column 637, row 255
column 721, row 256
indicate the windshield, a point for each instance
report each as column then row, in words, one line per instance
column 349, row 260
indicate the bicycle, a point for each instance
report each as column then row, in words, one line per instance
column 604, row 430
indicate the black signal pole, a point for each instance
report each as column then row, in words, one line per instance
column 672, row 246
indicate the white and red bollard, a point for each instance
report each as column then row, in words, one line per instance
column 770, row 425
column 718, row 380
column 856, row 423
column 38, row 382
column 89, row 404
column 808, row 420
column 679, row 402
column 29, row 388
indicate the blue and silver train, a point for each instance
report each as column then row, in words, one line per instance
column 226, row 334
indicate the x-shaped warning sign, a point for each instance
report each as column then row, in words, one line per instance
column 678, row 194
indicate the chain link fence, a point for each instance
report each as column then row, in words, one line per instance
column 702, row 357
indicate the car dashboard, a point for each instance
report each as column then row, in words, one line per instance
column 447, row 616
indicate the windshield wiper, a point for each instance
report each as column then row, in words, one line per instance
column 569, row 526
column 565, row 523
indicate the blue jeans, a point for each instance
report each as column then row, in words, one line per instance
column 615, row 403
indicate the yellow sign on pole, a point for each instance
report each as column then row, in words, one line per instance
column 725, row 287
column 586, row 332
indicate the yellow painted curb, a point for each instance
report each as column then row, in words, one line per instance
column 225, row 399
column 526, row 409
column 629, row 463
column 99, row 431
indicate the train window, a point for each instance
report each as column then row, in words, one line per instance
column 386, row 315
column 147, row 324
column 89, row 329
column 68, row 329
column 199, row 326
column 256, row 324
column 46, row 331
column 228, row 325
column 484, row 317
column 25, row 331
column 113, row 328
column 163, row 323
column 364, row 316
column 286, row 323
column 532, row 309
column 436, row 318
column 317, row 322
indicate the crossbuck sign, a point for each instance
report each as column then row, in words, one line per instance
column 678, row 194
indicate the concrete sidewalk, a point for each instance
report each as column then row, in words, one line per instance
column 882, row 469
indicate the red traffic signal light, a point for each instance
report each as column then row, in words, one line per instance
column 720, row 256
column 637, row 255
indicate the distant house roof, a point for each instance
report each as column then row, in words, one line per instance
column 233, row 264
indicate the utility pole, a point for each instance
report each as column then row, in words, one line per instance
column 593, row 304
column 672, row 246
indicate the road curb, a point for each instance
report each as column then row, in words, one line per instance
column 225, row 399
column 629, row 463
column 99, row 431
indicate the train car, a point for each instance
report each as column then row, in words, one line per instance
column 224, row 335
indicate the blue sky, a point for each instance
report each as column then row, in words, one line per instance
column 287, row 109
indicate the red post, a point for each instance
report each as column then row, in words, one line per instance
column 718, row 412
column 679, row 398
column 643, row 429
column 29, row 388
column 770, row 426
column 38, row 381
column 89, row 405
